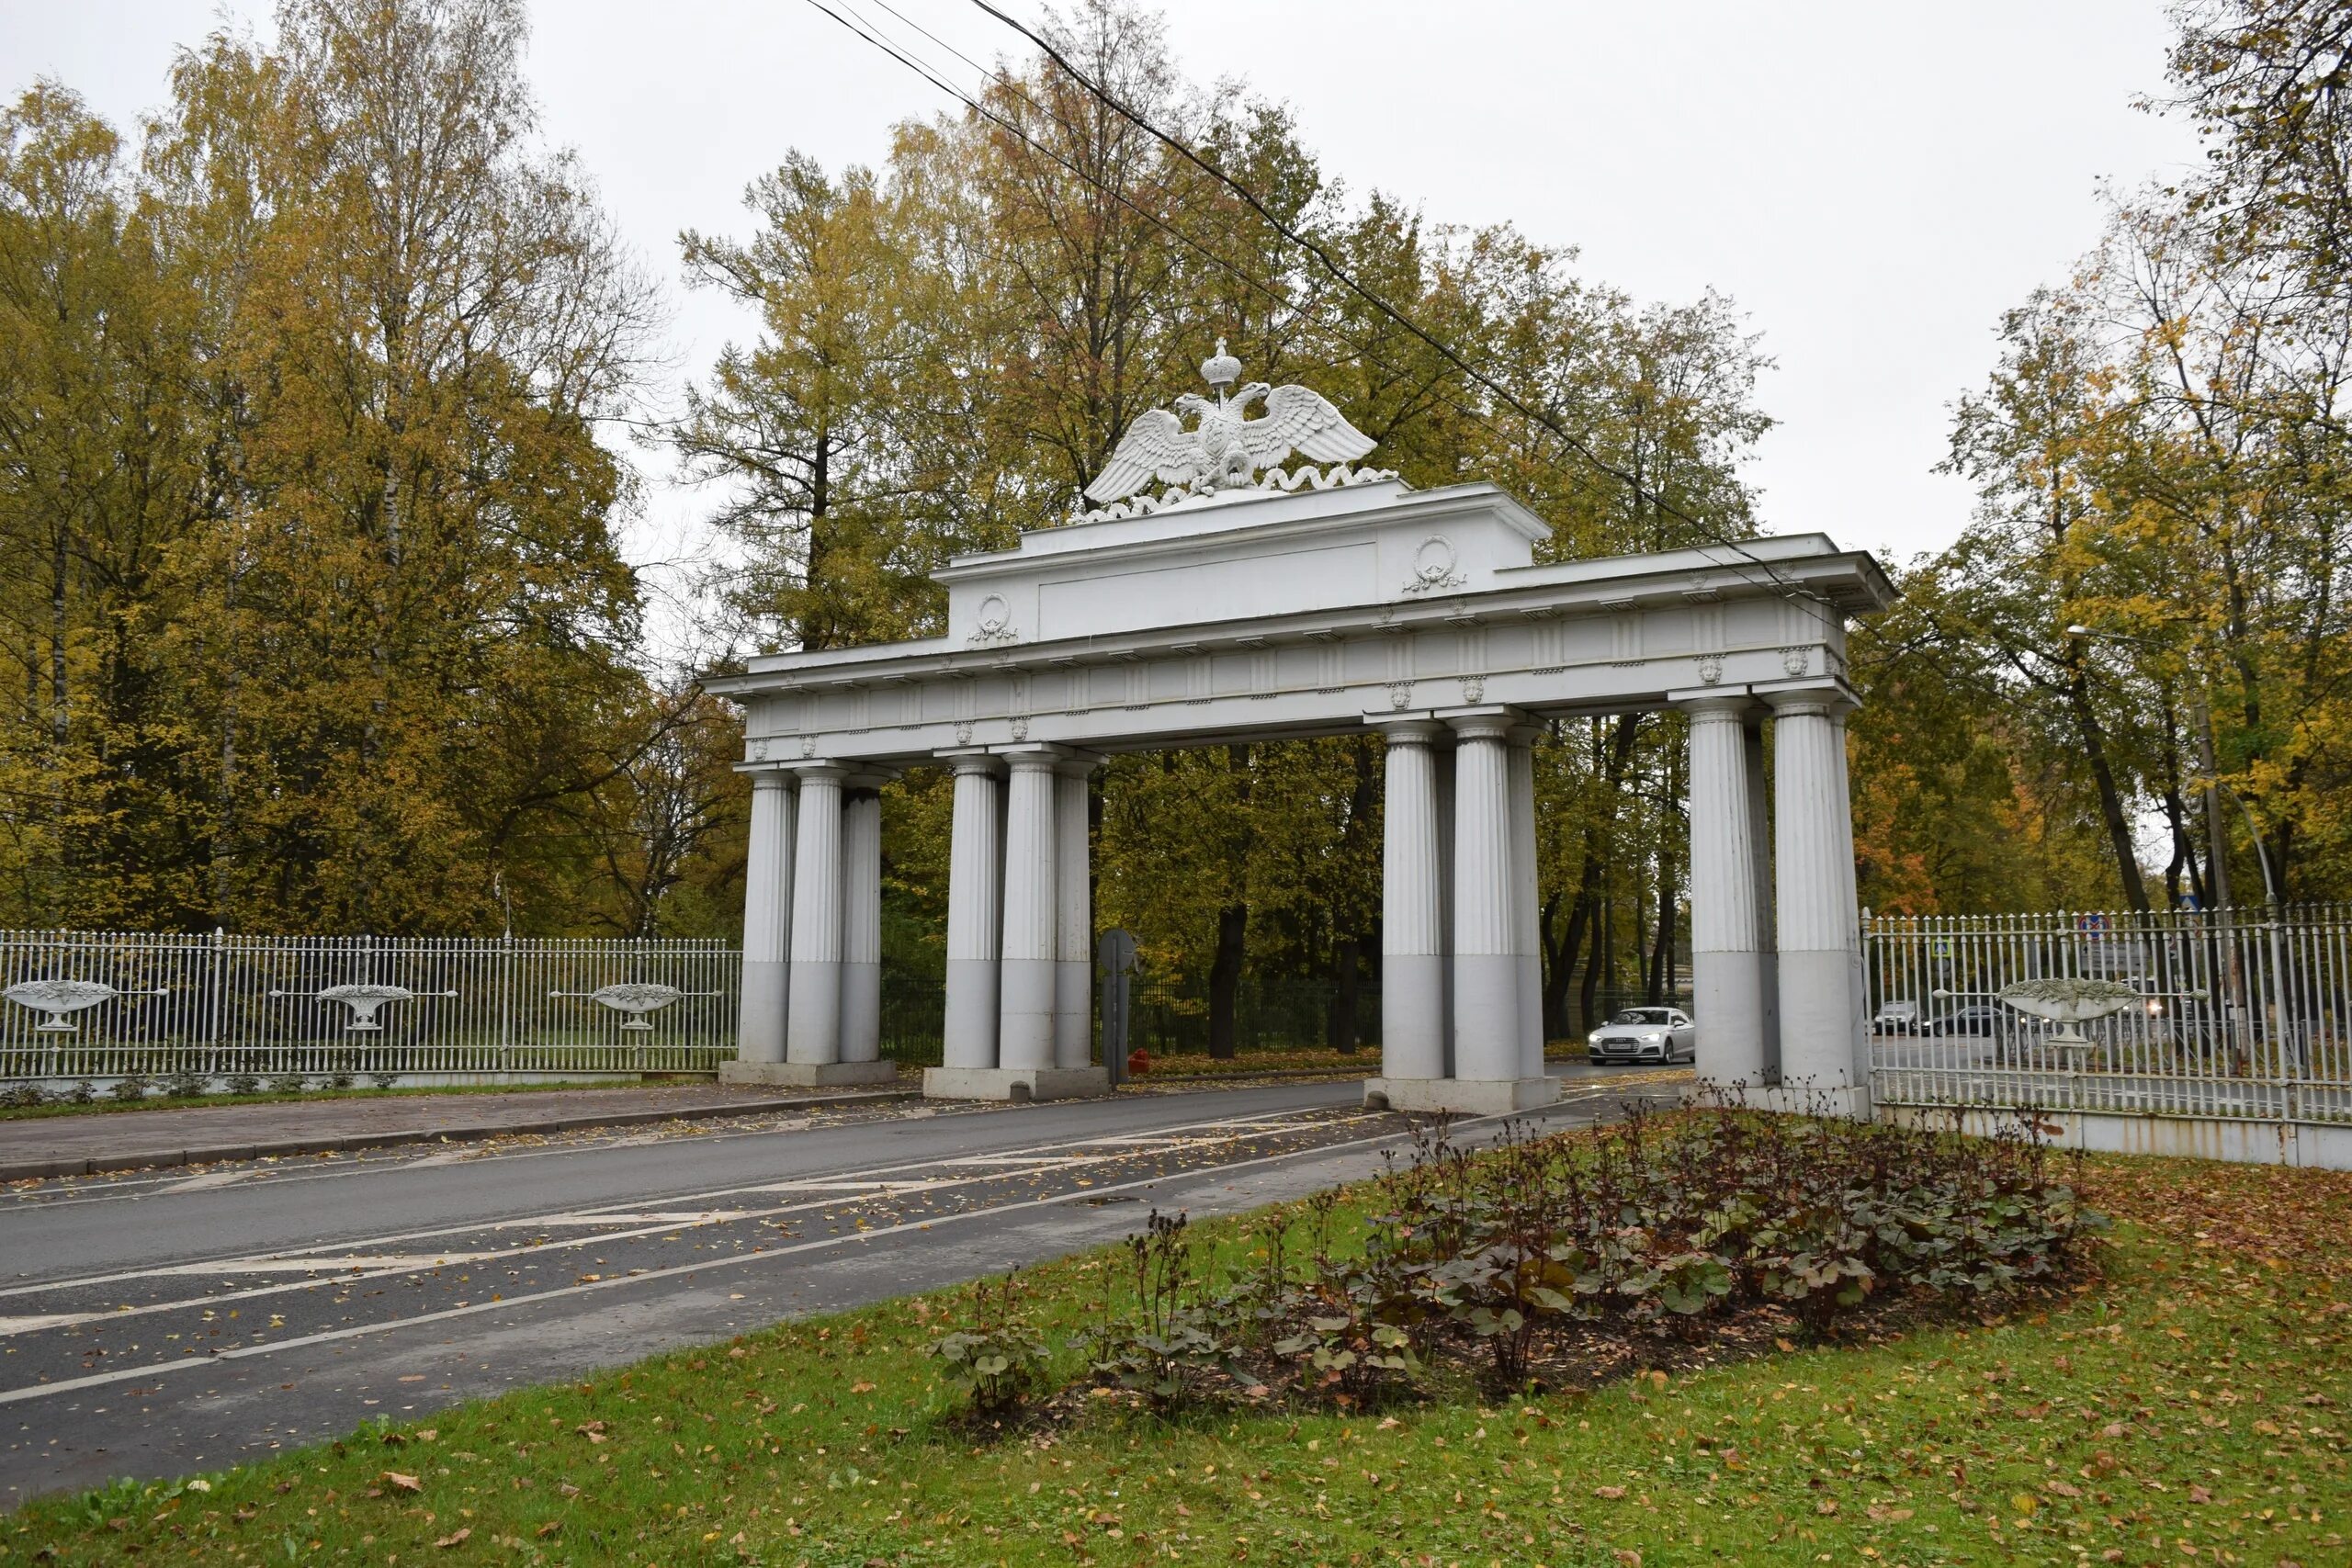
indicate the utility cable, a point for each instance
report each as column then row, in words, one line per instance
column 1341, row 274
column 872, row 34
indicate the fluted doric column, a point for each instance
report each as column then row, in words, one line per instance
column 813, row 1032
column 1526, row 915
column 1768, row 941
column 1025, row 1002
column 1813, row 876
column 862, row 924
column 975, row 914
column 1073, row 920
column 1487, row 1041
column 1412, row 939
column 1727, row 954
column 767, row 919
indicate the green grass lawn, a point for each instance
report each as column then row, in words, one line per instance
column 2190, row 1408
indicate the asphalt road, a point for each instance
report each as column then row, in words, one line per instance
column 168, row 1323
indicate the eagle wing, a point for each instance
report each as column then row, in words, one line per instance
column 1156, row 445
column 1302, row 419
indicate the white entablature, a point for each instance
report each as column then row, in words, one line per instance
column 1255, row 613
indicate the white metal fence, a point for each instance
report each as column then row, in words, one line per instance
column 2245, row 1013
column 220, row 1006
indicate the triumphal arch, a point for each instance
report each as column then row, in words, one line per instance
column 1244, row 601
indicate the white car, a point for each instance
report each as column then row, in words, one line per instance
column 1645, row 1034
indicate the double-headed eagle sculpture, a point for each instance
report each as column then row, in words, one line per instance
column 1225, row 448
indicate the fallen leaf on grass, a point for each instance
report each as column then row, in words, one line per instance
column 1611, row 1493
column 1627, row 1559
column 2198, row 1494
column 1826, row 1505
column 861, row 1388
column 457, row 1538
column 398, row 1482
column 549, row 1528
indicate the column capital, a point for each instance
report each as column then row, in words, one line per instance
column 1039, row 759
column 766, row 775
column 1482, row 723
column 1830, row 699
column 1411, row 732
column 1735, row 707
column 975, row 760
column 818, row 769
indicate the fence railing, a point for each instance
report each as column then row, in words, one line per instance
column 2242, row 1013
column 220, row 1006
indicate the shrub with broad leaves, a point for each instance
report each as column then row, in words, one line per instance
column 1639, row 1232
column 994, row 1361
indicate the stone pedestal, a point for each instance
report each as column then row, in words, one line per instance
column 1018, row 1084
column 1460, row 1096
column 807, row 1074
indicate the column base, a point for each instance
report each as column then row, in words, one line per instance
column 1017, row 1085
column 807, row 1074
column 1460, row 1096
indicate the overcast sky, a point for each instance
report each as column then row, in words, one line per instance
column 1871, row 183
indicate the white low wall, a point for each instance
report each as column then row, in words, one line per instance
column 2320, row 1146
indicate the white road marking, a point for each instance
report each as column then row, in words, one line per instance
column 1040, row 1155
column 209, row 1180
column 683, row 1217
column 161, row 1368
column 311, row 1263
column 228, row 1265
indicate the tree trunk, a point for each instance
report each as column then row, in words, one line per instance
column 1233, row 920
column 1224, row 978
column 1340, row 1032
column 1662, row 949
column 1597, row 920
column 2110, row 798
column 1559, row 968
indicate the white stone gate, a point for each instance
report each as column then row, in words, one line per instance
column 1258, row 613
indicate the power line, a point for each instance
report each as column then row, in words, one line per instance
column 869, row 32
column 1342, row 277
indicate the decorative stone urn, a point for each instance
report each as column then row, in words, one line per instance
column 2068, row 1002
column 635, row 998
column 362, row 999
column 58, row 999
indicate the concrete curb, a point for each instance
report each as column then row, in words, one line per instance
column 143, row 1159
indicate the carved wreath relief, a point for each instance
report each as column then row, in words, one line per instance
column 1433, row 566
column 995, row 623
